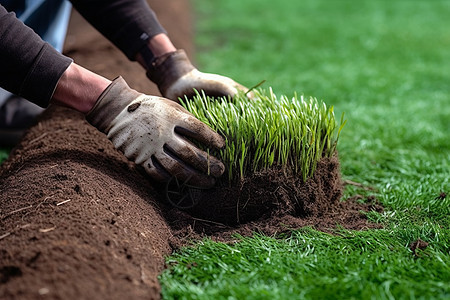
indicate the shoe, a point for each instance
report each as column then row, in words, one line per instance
column 16, row 116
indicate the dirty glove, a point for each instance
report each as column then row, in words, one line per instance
column 151, row 131
column 176, row 77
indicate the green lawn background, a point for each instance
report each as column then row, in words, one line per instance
column 386, row 65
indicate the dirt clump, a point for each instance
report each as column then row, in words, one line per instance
column 418, row 245
column 269, row 193
column 271, row 202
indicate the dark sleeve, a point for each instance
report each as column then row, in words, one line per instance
column 126, row 23
column 29, row 67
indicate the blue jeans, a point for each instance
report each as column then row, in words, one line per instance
column 48, row 18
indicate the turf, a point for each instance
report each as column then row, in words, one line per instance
column 385, row 64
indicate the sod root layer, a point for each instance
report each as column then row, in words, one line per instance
column 271, row 202
column 270, row 194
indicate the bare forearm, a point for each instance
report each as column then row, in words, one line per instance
column 79, row 88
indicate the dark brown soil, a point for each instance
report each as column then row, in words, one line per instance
column 78, row 221
column 418, row 245
column 272, row 193
column 271, row 203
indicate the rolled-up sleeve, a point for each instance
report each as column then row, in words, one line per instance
column 126, row 23
column 29, row 67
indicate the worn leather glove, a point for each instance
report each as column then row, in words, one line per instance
column 176, row 77
column 151, row 131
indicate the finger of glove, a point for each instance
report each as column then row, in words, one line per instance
column 199, row 131
column 195, row 157
column 215, row 83
column 135, row 152
column 218, row 89
column 156, row 171
column 183, row 172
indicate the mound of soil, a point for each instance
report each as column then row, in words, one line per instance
column 263, row 195
column 271, row 193
column 270, row 202
column 77, row 220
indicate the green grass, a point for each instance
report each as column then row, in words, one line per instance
column 265, row 131
column 308, row 264
column 385, row 63
column 4, row 152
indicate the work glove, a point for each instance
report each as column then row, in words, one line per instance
column 152, row 131
column 176, row 77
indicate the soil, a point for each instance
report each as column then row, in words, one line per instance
column 78, row 220
column 418, row 245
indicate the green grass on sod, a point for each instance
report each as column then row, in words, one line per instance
column 385, row 63
column 269, row 130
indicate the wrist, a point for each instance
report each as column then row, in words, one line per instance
column 112, row 101
column 168, row 69
column 158, row 45
column 79, row 88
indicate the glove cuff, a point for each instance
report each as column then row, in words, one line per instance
column 166, row 69
column 111, row 102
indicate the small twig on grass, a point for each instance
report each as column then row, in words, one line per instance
column 255, row 87
column 418, row 245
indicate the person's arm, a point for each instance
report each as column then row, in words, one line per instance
column 149, row 130
column 134, row 28
column 128, row 24
column 30, row 67
column 154, row 132
column 79, row 88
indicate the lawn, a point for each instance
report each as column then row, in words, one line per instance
column 385, row 64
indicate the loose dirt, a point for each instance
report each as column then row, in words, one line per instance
column 78, row 221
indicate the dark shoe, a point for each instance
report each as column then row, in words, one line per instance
column 16, row 116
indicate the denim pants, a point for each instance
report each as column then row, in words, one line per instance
column 48, row 18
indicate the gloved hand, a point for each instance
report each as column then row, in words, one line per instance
column 151, row 131
column 176, row 77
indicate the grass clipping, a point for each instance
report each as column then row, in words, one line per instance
column 268, row 131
